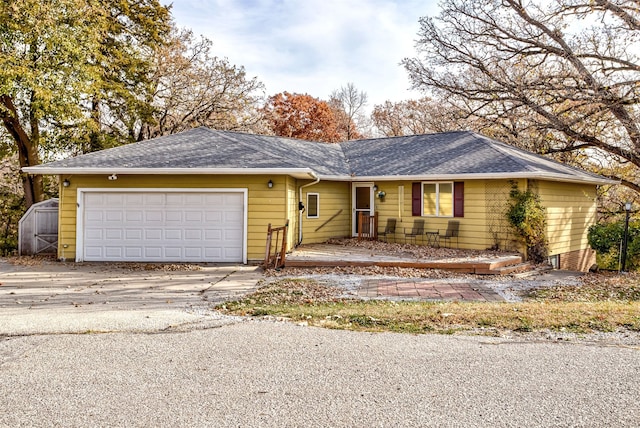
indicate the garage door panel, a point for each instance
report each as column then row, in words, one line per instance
column 232, row 252
column 173, row 235
column 133, row 234
column 150, row 234
column 114, row 199
column 113, row 234
column 114, row 252
column 193, row 252
column 133, row 252
column 173, row 253
column 94, row 253
column 213, row 217
column 153, row 216
column 134, row 216
column 193, row 216
column 214, row 199
column 150, row 199
column 153, row 252
column 163, row 226
column 193, row 234
column 174, row 216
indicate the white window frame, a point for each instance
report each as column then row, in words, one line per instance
column 317, row 195
column 453, row 199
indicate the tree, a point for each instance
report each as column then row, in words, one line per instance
column 301, row 116
column 348, row 104
column 58, row 60
column 412, row 117
column 563, row 72
column 191, row 88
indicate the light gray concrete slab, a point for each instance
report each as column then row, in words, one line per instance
column 54, row 297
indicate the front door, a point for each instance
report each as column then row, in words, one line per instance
column 362, row 201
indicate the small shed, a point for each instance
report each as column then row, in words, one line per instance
column 38, row 229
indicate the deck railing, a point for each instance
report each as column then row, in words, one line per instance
column 367, row 226
column 276, row 249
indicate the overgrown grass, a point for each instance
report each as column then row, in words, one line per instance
column 296, row 300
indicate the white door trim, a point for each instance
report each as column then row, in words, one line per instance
column 80, row 209
column 372, row 208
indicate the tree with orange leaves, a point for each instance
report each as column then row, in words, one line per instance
column 301, row 116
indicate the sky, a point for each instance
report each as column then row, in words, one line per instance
column 314, row 46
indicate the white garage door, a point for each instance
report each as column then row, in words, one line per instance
column 162, row 226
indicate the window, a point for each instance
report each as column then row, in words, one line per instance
column 437, row 199
column 313, row 205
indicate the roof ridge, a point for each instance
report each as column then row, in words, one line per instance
column 404, row 136
column 226, row 136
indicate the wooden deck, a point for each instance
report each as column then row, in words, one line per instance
column 319, row 255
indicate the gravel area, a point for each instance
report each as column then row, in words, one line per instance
column 349, row 279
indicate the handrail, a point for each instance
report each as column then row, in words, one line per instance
column 279, row 255
column 326, row 222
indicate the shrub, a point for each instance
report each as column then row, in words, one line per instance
column 528, row 217
column 606, row 239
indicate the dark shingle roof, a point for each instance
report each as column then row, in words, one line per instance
column 447, row 154
column 206, row 148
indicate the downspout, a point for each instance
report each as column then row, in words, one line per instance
column 301, row 205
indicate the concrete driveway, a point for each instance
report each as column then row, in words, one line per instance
column 43, row 296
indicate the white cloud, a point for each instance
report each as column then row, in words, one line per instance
column 313, row 46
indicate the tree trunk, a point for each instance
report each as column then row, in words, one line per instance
column 27, row 151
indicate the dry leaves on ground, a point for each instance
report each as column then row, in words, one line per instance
column 398, row 272
column 167, row 267
column 294, row 291
column 594, row 287
column 416, row 251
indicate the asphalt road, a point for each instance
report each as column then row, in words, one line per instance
column 267, row 374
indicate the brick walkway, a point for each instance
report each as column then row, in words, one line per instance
column 420, row 289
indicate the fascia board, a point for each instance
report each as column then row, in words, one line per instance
column 295, row 172
column 483, row 176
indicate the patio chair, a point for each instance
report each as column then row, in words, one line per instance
column 415, row 231
column 452, row 232
column 389, row 229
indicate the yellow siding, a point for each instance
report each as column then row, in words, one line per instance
column 571, row 209
column 292, row 212
column 334, row 212
column 265, row 205
column 483, row 225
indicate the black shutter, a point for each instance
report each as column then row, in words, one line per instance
column 416, row 199
column 458, row 199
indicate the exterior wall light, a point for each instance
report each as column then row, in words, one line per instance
column 113, row 177
column 270, row 184
column 381, row 195
column 66, row 183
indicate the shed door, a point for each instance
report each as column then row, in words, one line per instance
column 163, row 226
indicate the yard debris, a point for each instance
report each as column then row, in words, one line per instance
column 594, row 287
column 29, row 260
column 295, row 291
column 422, row 252
column 132, row 266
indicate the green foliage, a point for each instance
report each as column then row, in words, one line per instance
column 528, row 217
column 12, row 206
column 606, row 239
column 11, row 209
